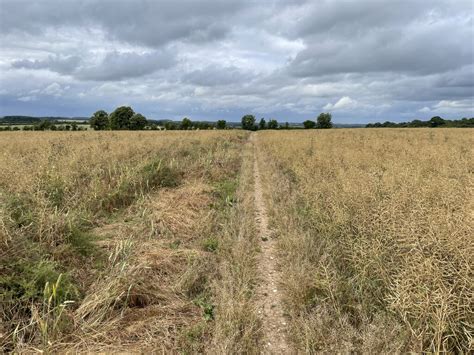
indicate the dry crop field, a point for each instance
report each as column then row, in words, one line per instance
column 236, row 242
column 375, row 236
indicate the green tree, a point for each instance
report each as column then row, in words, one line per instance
column 221, row 124
column 324, row 121
column 272, row 124
column 170, row 126
column 437, row 121
column 248, row 122
column 138, row 122
column 186, row 123
column 262, row 124
column 308, row 124
column 99, row 120
column 120, row 118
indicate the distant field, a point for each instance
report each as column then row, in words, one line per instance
column 161, row 241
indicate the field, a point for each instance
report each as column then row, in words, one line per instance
column 237, row 242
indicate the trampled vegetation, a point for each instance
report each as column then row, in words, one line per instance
column 123, row 241
column 148, row 241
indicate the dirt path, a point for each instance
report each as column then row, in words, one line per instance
column 268, row 292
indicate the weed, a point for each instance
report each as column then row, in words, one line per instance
column 158, row 174
column 206, row 306
column 20, row 211
column 54, row 190
column 81, row 241
column 210, row 244
column 225, row 193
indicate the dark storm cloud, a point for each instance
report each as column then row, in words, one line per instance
column 147, row 22
column 361, row 59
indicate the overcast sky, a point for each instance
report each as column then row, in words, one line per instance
column 362, row 60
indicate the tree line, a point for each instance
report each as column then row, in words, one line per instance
column 124, row 118
column 46, row 125
column 433, row 122
column 250, row 123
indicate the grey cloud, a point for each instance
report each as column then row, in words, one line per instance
column 59, row 64
column 292, row 58
column 425, row 49
column 214, row 76
column 358, row 17
column 118, row 66
column 114, row 66
column 147, row 22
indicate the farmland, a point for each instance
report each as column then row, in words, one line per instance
column 164, row 241
column 375, row 236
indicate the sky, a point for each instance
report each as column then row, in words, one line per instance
column 361, row 60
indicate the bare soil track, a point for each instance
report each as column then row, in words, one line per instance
column 268, row 291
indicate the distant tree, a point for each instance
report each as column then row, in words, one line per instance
column 324, row 121
column 43, row 125
column 99, row 120
column 308, row 124
column 437, row 121
column 262, row 124
column 203, row 125
column 170, row 125
column 74, row 126
column 221, row 124
column 137, row 122
column 186, row 123
column 248, row 122
column 120, row 118
column 272, row 124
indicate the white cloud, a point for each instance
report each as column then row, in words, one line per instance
column 453, row 104
column 452, row 108
column 53, row 89
column 344, row 103
column 27, row 98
